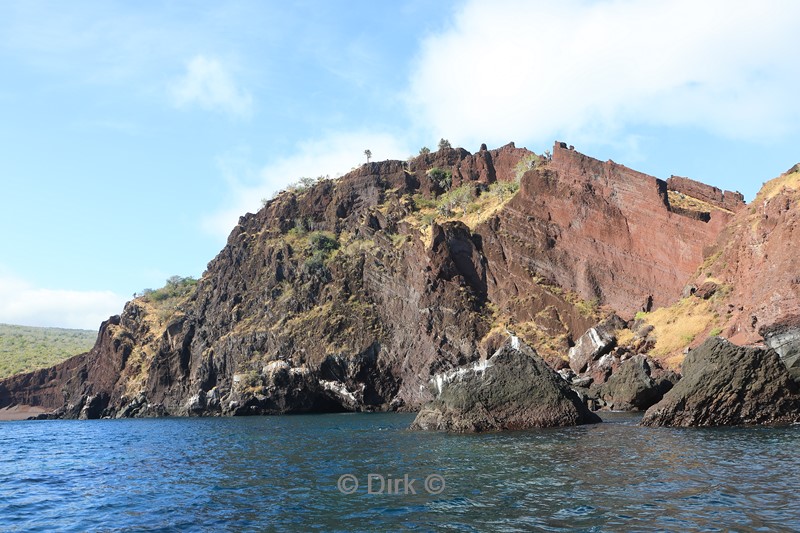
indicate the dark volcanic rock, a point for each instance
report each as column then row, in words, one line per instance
column 726, row 385
column 638, row 384
column 514, row 389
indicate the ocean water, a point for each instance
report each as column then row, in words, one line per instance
column 334, row 473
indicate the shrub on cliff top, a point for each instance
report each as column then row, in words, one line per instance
column 441, row 177
column 176, row 287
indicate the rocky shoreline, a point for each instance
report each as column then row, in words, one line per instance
column 722, row 385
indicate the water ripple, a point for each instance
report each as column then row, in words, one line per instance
column 281, row 474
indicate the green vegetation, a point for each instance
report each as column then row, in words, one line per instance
column 504, row 189
column 164, row 302
column 715, row 332
column 24, row 348
column 468, row 203
column 441, row 177
column 444, row 144
column 423, row 202
column 789, row 180
column 424, row 150
column 456, row 199
column 176, row 287
column 587, row 308
column 322, row 244
column 525, row 164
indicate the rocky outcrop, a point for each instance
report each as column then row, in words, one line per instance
column 81, row 386
column 727, row 385
column 639, row 383
column 784, row 338
column 732, row 201
column 514, row 389
column 351, row 293
column 592, row 345
column 328, row 282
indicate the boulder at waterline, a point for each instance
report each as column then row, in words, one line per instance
column 513, row 389
column 726, row 385
column 638, row 384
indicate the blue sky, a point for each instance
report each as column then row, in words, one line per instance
column 133, row 134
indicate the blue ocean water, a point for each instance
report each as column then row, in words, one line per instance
column 283, row 473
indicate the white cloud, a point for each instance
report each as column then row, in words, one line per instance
column 531, row 71
column 208, row 84
column 22, row 303
column 332, row 156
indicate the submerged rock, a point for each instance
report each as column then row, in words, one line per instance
column 725, row 385
column 514, row 389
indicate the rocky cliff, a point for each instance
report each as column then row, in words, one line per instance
column 748, row 288
column 350, row 294
column 729, row 385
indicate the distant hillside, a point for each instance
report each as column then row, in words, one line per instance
column 24, row 348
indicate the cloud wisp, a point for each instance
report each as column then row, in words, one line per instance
column 208, row 84
column 24, row 304
column 531, row 71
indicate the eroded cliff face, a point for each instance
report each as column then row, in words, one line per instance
column 599, row 229
column 351, row 294
column 755, row 264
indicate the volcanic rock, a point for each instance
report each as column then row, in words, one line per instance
column 754, row 265
column 514, row 389
column 365, row 292
column 732, row 201
column 706, row 290
column 726, row 385
column 785, row 340
column 638, row 383
column 595, row 344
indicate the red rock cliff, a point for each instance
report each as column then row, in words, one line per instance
column 597, row 228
